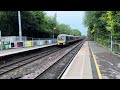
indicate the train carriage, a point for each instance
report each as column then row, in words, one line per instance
column 64, row 39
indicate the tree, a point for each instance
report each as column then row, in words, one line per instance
column 34, row 24
column 100, row 25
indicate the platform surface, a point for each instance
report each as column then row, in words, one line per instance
column 80, row 67
column 18, row 50
column 108, row 62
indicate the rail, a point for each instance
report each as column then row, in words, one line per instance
column 56, row 70
column 5, row 68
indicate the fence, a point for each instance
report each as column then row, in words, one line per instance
column 107, row 44
column 14, row 42
column 116, row 46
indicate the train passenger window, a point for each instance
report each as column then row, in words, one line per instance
column 67, row 38
column 71, row 38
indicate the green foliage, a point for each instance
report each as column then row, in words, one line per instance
column 100, row 26
column 34, row 24
column 66, row 29
column 101, row 23
column 8, row 23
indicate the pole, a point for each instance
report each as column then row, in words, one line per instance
column 20, row 30
column 0, row 41
column 111, row 40
column 53, row 33
column 94, row 37
column 97, row 35
column 0, row 36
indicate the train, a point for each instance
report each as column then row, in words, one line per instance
column 64, row 39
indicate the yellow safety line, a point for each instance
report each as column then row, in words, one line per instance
column 98, row 70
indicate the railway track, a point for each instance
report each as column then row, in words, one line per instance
column 11, row 66
column 5, row 68
column 56, row 70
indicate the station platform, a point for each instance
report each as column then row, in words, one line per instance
column 18, row 50
column 108, row 62
column 93, row 62
column 80, row 67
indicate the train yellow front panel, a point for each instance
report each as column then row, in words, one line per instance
column 60, row 41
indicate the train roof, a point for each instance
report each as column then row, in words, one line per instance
column 67, row 35
column 64, row 35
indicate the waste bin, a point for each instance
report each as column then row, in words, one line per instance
column 35, row 42
column 19, row 44
column 29, row 43
column 6, row 45
column 12, row 44
column 50, row 41
column 44, row 42
column 40, row 42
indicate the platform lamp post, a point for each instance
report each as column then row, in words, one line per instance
column 53, row 33
column 20, row 29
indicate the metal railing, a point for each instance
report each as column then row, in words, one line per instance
column 115, row 45
column 14, row 42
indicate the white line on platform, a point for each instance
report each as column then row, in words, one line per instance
column 82, row 68
column 68, row 68
column 64, row 75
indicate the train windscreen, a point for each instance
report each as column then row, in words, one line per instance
column 61, row 38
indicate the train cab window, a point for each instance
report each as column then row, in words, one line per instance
column 61, row 38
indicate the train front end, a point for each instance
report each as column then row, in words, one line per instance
column 61, row 39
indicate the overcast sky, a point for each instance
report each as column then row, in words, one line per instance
column 72, row 18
